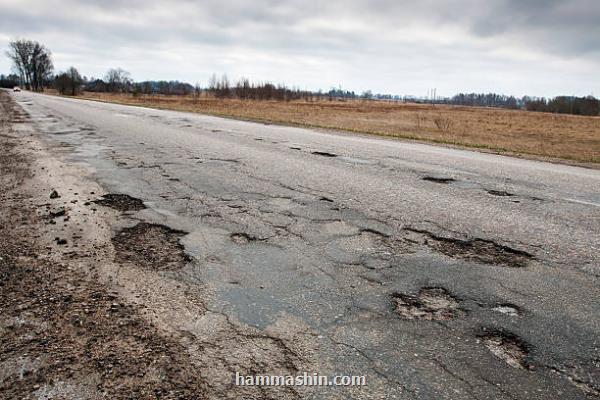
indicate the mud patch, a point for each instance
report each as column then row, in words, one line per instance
column 507, row 347
column 431, row 304
column 476, row 250
column 500, row 193
column 438, row 179
column 323, row 154
column 121, row 202
column 151, row 246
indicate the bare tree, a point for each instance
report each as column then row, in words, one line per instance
column 118, row 80
column 68, row 82
column 32, row 61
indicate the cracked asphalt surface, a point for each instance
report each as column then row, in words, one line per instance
column 437, row 273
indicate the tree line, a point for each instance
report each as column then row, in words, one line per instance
column 34, row 70
column 586, row 105
column 246, row 90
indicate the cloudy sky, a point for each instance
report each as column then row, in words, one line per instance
column 537, row 47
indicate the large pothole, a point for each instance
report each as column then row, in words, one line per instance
column 151, row 246
column 477, row 250
column 431, row 304
column 121, row 202
column 507, row 347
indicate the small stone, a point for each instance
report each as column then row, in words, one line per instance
column 54, row 194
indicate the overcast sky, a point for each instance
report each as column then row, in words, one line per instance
column 537, row 47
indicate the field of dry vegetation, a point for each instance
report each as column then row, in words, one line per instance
column 574, row 138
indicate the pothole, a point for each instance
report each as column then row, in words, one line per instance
column 438, row 179
column 151, row 246
column 507, row 347
column 324, row 154
column 477, row 250
column 121, row 202
column 500, row 193
column 431, row 304
column 507, row 309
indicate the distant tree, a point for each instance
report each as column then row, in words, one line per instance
column 9, row 81
column 118, row 80
column 96, row 85
column 68, row 82
column 61, row 82
column 367, row 95
column 32, row 61
column 213, row 82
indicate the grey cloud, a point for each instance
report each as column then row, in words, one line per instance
column 354, row 41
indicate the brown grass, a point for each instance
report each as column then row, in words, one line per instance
column 543, row 135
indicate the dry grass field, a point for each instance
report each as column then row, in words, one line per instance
column 544, row 135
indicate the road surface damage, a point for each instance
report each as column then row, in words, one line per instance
column 232, row 266
column 75, row 325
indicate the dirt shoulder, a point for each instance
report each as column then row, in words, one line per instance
column 64, row 334
column 84, row 311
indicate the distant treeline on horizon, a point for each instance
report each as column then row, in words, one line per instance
column 118, row 81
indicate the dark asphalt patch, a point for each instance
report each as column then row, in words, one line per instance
column 323, row 154
column 476, row 250
column 507, row 347
column 438, row 179
column 431, row 304
column 121, row 202
column 151, row 246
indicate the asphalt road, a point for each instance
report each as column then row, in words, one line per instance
column 438, row 273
